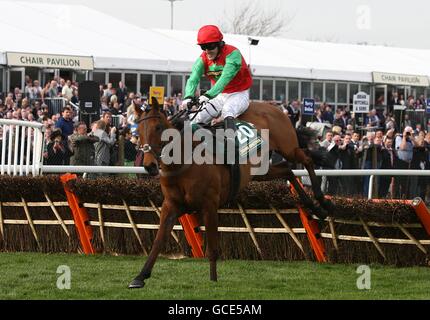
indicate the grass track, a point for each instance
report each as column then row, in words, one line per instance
column 33, row 276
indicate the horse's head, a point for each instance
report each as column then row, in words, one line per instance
column 151, row 123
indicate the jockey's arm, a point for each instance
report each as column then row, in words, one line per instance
column 233, row 63
column 194, row 80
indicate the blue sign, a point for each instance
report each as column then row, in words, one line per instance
column 428, row 105
column 309, row 106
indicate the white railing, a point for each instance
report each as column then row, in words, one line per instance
column 22, row 144
column 299, row 173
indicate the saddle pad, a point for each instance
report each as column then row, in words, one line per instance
column 248, row 139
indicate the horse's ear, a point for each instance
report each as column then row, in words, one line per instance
column 155, row 104
column 138, row 109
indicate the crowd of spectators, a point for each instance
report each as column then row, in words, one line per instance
column 379, row 142
column 71, row 141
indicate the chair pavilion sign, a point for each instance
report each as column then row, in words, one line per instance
column 49, row 61
column 400, row 79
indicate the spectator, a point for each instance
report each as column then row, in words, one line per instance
column 82, row 146
column 327, row 113
column 65, row 122
column 37, row 90
column 108, row 91
column 328, row 140
column 67, row 91
column 372, row 120
column 60, row 86
column 121, row 92
column 333, row 149
column 420, row 161
column 103, row 146
column 407, row 122
column 53, row 91
column 45, row 91
column 404, row 145
column 168, row 108
column 57, row 151
column 293, row 112
column 318, row 116
column 388, row 161
column 347, row 160
column 28, row 90
column 338, row 121
column 75, row 97
column 130, row 148
column 104, row 104
column 115, row 109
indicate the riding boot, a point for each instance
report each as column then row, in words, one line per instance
column 229, row 124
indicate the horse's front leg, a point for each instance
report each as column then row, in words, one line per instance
column 168, row 216
column 210, row 213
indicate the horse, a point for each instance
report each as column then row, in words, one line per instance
column 185, row 190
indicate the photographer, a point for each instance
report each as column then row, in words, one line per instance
column 57, row 151
column 103, row 146
column 404, row 145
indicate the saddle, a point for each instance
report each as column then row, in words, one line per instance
column 247, row 143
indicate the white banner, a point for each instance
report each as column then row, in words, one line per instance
column 361, row 102
column 49, row 61
column 401, row 79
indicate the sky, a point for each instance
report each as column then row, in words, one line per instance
column 396, row 23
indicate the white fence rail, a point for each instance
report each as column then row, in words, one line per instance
column 21, row 148
column 300, row 173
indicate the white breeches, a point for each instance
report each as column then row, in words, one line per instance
column 224, row 105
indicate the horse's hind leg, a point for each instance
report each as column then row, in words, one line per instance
column 308, row 163
column 168, row 216
column 297, row 155
column 210, row 215
column 304, row 197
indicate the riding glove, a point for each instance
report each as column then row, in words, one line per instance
column 203, row 99
column 185, row 103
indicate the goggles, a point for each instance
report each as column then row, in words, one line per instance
column 209, row 46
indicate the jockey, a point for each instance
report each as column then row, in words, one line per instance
column 230, row 77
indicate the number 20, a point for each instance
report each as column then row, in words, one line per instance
column 243, row 133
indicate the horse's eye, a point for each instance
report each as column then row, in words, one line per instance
column 158, row 127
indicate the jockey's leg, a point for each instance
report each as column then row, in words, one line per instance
column 209, row 111
column 235, row 104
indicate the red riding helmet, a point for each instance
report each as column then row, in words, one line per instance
column 208, row 34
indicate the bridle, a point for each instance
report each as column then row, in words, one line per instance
column 147, row 148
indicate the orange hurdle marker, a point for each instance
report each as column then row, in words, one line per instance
column 80, row 215
column 192, row 234
column 312, row 230
column 422, row 212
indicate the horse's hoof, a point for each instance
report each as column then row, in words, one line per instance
column 136, row 284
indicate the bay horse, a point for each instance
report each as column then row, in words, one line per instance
column 204, row 188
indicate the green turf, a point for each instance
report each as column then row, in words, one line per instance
column 33, row 276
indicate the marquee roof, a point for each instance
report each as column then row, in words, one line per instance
column 115, row 44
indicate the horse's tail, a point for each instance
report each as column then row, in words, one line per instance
column 308, row 138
